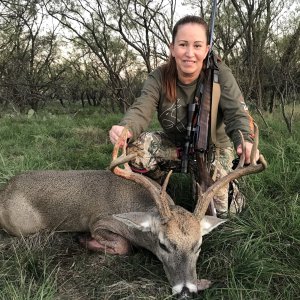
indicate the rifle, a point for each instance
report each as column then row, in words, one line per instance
column 198, row 129
column 196, row 145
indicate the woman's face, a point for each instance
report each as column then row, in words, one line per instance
column 189, row 50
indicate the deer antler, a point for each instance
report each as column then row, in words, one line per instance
column 159, row 194
column 241, row 170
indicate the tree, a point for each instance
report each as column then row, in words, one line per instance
column 144, row 25
column 256, row 18
column 286, row 76
column 27, row 53
column 246, row 33
column 107, row 51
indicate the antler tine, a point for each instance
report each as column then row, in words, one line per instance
column 241, row 170
column 164, row 195
column 159, row 195
column 123, row 159
column 255, row 145
column 242, row 157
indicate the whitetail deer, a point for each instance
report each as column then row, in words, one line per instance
column 118, row 213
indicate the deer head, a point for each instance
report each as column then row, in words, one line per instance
column 175, row 234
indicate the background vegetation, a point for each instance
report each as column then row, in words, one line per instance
column 98, row 53
column 68, row 71
column 254, row 256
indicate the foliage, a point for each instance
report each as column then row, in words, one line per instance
column 254, row 256
column 28, row 70
column 98, row 53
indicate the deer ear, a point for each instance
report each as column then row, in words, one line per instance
column 208, row 223
column 139, row 220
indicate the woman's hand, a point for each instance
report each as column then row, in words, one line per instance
column 248, row 148
column 115, row 133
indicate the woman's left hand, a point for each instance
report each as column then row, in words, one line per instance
column 248, row 148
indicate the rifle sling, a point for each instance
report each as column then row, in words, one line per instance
column 204, row 114
column 216, row 93
column 208, row 110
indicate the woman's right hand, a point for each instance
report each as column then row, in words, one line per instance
column 115, row 133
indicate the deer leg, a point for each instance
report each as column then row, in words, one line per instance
column 106, row 241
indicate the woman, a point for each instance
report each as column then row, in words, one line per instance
column 169, row 90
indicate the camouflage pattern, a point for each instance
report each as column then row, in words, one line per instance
column 220, row 167
column 157, row 155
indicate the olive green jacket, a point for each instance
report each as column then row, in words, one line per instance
column 232, row 111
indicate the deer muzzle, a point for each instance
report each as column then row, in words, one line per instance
column 186, row 291
column 186, row 294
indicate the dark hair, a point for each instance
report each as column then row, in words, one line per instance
column 190, row 19
column 169, row 70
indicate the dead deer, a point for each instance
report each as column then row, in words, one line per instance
column 118, row 211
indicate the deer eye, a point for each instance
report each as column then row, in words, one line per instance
column 164, row 247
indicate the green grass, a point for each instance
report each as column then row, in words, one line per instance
column 253, row 256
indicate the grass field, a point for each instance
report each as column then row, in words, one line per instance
column 254, row 256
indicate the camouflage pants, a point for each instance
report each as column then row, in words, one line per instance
column 157, row 155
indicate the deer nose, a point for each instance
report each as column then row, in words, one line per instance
column 185, row 294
